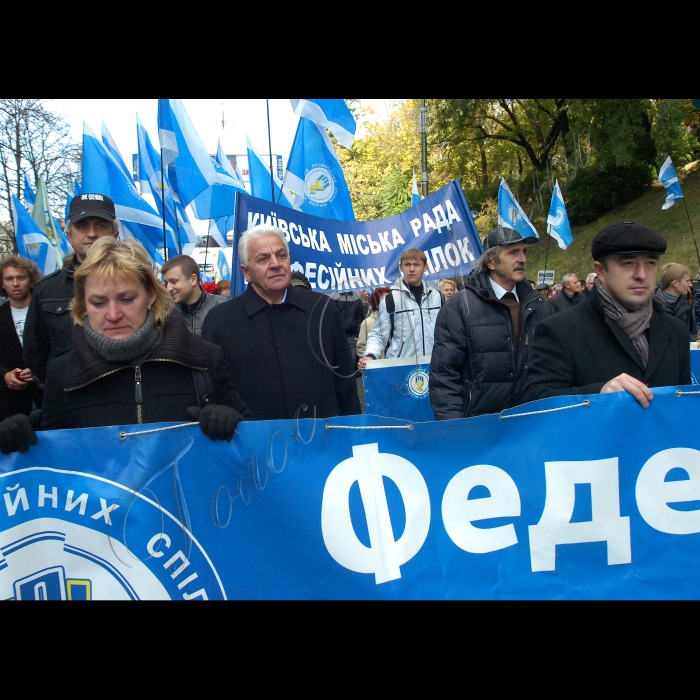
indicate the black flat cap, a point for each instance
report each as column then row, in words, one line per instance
column 627, row 238
column 542, row 286
column 502, row 235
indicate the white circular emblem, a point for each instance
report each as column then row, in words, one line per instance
column 417, row 383
column 514, row 214
column 559, row 219
column 33, row 249
column 319, row 185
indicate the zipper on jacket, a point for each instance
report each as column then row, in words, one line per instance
column 139, row 395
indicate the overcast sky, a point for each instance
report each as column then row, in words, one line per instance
column 241, row 117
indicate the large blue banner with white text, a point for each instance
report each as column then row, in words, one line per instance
column 340, row 256
column 569, row 498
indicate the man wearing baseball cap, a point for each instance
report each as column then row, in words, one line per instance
column 620, row 338
column 482, row 336
column 48, row 328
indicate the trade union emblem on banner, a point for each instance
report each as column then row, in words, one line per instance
column 319, row 185
column 33, row 249
column 70, row 536
column 417, row 383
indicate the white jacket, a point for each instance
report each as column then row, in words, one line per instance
column 413, row 324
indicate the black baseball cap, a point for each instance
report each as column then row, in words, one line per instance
column 502, row 235
column 627, row 237
column 89, row 204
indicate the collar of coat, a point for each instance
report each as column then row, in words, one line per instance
column 478, row 282
column 179, row 345
column 402, row 286
column 191, row 309
column 254, row 303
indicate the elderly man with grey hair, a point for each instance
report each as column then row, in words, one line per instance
column 482, row 336
column 285, row 348
column 569, row 295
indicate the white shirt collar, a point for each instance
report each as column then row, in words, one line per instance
column 499, row 291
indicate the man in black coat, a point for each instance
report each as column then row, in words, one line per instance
column 18, row 390
column 672, row 293
column 620, row 338
column 569, row 295
column 270, row 338
column 482, row 337
column 47, row 334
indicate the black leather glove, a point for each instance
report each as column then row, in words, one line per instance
column 216, row 421
column 16, row 434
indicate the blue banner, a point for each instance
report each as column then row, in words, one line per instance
column 569, row 498
column 399, row 388
column 695, row 362
column 342, row 255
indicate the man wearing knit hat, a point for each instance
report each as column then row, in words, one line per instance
column 620, row 339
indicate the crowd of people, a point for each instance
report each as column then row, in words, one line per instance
column 103, row 341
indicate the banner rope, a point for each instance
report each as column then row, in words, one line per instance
column 123, row 434
column 686, row 393
column 585, row 402
column 369, row 427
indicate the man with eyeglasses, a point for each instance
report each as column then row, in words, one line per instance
column 285, row 347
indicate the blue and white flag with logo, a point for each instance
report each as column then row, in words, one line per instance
column 315, row 176
column 31, row 242
column 29, row 194
column 111, row 145
column 259, row 173
column 103, row 174
column 511, row 214
column 197, row 178
column 558, row 220
column 223, row 267
column 415, row 197
column 334, row 115
column 220, row 227
column 669, row 179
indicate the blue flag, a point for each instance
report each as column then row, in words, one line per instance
column 152, row 184
column 314, row 175
column 76, row 191
column 668, row 178
column 32, row 243
column 333, row 115
column 29, row 194
column 511, row 214
column 259, row 172
column 223, row 267
column 220, row 227
column 558, row 220
column 197, row 178
column 415, row 197
column 111, row 146
column 102, row 173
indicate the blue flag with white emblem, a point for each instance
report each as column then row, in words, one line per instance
column 415, row 197
column 199, row 181
column 511, row 214
column 669, row 179
column 558, row 220
column 220, row 227
column 32, row 243
column 315, row 176
column 223, row 267
column 333, row 115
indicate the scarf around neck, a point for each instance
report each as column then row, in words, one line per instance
column 631, row 323
column 135, row 347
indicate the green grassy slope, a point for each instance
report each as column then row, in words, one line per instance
column 672, row 224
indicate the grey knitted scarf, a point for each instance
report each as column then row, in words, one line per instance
column 135, row 347
column 631, row 323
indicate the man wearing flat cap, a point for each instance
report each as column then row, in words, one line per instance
column 482, row 337
column 47, row 331
column 620, row 339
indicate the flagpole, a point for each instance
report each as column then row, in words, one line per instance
column 162, row 199
column 177, row 223
column 546, row 255
column 269, row 148
column 423, row 150
column 692, row 231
